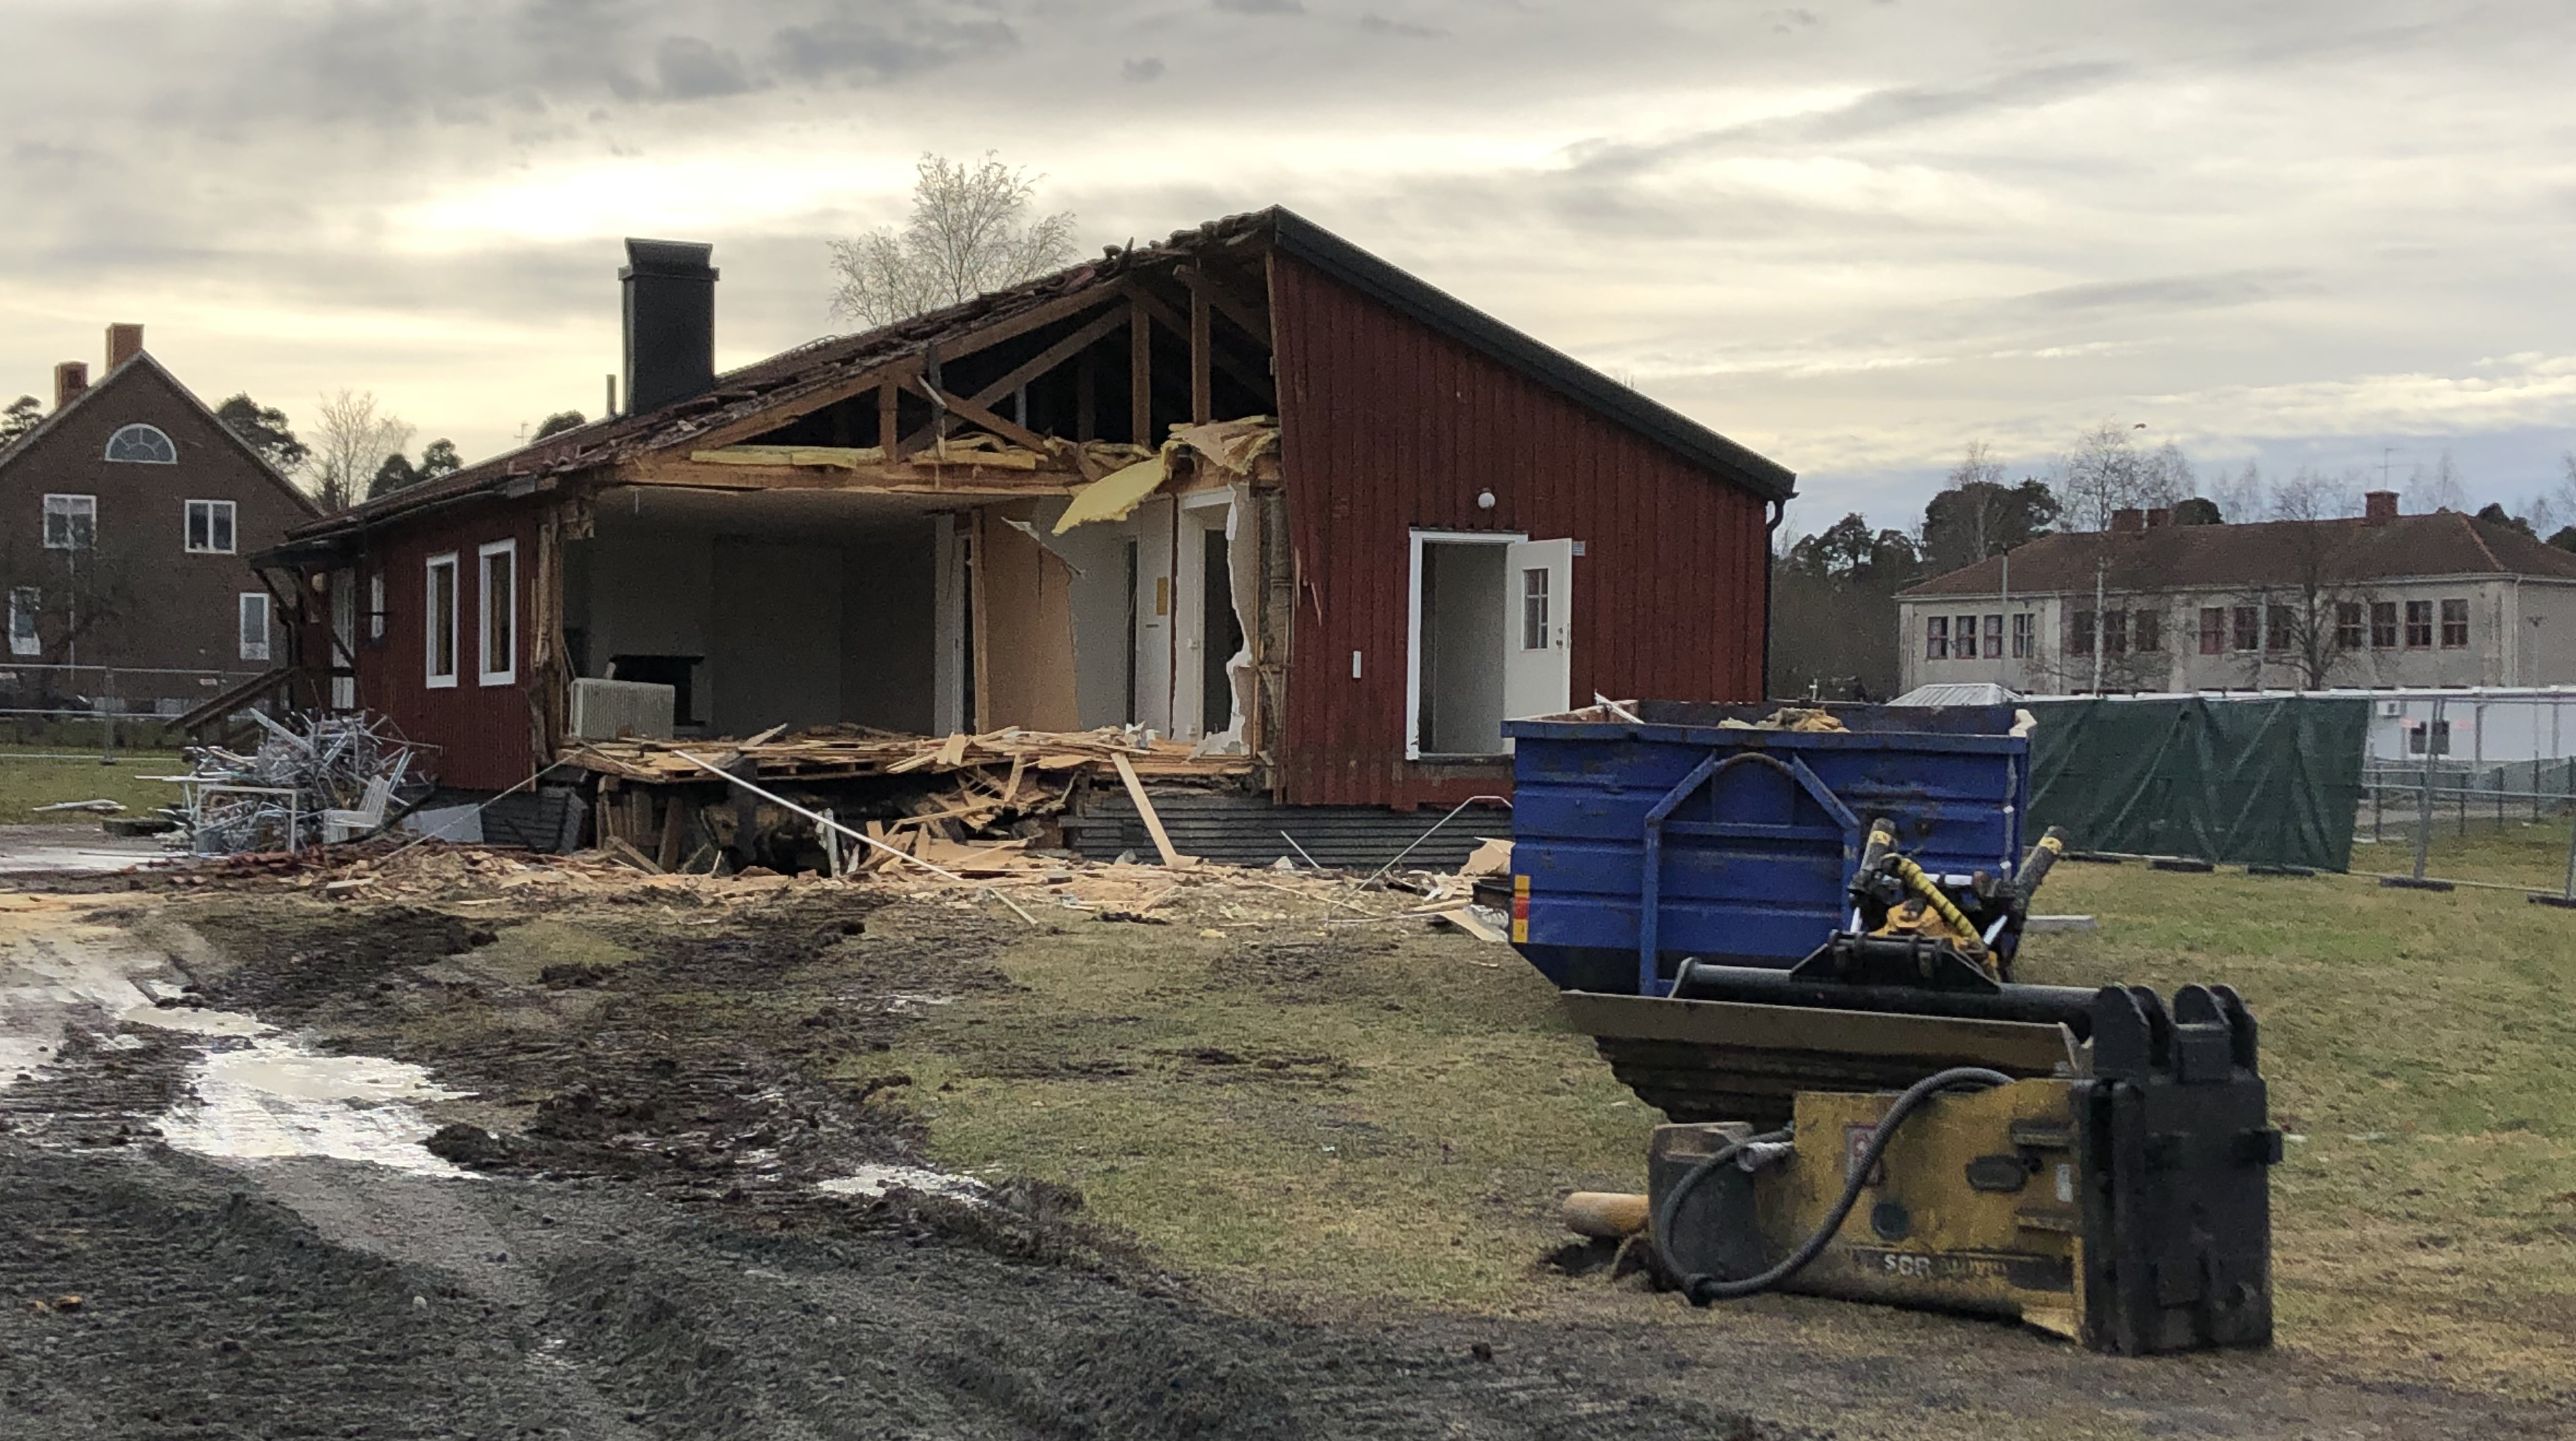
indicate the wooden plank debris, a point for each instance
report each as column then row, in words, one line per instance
column 1145, row 808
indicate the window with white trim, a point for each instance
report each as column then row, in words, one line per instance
column 71, row 522
column 1534, row 610
column 25, row 604
column 440, row 615
column 254, row 625
column 141, row 445
column 376, row 605
column 498, row 564
column 210, row 527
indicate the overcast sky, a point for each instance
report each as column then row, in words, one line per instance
column 1852, row 234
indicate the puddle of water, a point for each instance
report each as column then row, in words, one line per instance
column 272, row 1098
column 875, row 1181
column 258, row 1094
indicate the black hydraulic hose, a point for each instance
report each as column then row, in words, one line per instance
column 1703, row 1288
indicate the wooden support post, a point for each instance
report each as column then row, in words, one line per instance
column 1202, row 360
column 979, row 618
column 675, row 828
column 1140, row 375
column 938, row 390
column 889, row 434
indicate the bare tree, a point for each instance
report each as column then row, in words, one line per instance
column 971, row 231
column 2106, row 472
column 2316, row 616
column 2436, row 489
column 72, row 593
column 351, row 442
column 2239, row 497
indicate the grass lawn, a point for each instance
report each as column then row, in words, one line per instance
column 1365, row 1116
column 2420, row 1043
column 26, row 782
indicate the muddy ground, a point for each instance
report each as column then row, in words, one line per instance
column 692, row 1199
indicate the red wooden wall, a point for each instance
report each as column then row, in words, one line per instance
column 1390, row 426
column 483, row 732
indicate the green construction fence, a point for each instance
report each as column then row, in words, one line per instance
column 2269, row 780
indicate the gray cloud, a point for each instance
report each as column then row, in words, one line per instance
column 1855, row 242
column 1401, row 29
column 1880, row 112
column 692, row 69
column 2217, row 290
column 872, row 40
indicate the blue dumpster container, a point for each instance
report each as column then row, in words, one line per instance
column 1637, row 843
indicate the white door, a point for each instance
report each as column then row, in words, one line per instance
column 1538, row 611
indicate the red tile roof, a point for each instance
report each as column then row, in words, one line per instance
column 2271, row 553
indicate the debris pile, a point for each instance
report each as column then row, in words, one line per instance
column 1028, row 883
column 314, row 778
column 837, row 752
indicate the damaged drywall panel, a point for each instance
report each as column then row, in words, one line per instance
column 1023, row 626
column 1157, row 531
column 1107, row 557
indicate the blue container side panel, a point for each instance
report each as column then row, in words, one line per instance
column 1753, row 866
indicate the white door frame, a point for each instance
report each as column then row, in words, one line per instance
column 1191, row 521
column 1413, row 620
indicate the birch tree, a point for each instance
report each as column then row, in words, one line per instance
column 973, row 229
column 351, row 441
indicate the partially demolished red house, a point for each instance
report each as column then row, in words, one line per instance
column 1250, row 488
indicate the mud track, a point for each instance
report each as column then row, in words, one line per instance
column 649, row 1244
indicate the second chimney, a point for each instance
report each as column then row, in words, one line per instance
column 124, row 342
column 2379, row 507
column 670, row 308
column 70, row 379
column 2128, row 519
column 2160, row 517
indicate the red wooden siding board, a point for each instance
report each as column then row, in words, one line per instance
column 482, row 732
column 1390, row 426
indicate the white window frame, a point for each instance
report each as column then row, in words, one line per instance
column 375, row 605
column 71, row 507
column 247, row 601
column 212, row 508
column 430, row 618
column 26, row 605
column 507, row 673
column 108, row 453
column 1413, row 750
column 1535, row 623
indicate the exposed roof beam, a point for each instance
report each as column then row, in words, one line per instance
column 904, row 368
column 1227, row 303
column 1172, row 320
column 1030, row 369
column 966, row 409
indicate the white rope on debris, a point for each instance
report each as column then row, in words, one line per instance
column 861, row 837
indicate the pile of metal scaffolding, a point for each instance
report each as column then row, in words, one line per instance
column 314, row 778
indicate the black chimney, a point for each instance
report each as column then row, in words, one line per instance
column 670, row 322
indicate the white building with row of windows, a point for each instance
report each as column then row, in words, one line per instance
column 2383, row 600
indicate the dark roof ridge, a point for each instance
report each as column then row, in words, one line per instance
column 2477, row 533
